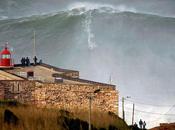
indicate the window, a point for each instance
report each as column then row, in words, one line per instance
column 5, row 56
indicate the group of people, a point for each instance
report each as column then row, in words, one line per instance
column 142, row 125
column 26, row 61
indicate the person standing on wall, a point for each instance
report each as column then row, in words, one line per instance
column 27, row 62
column 23, row 61
column 35, row 60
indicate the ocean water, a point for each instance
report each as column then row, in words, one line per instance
column 135, row 48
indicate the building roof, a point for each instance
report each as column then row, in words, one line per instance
column 164, row 126
column 82, row 80
column 56, row 68
column 48, row 73
column 8, row 76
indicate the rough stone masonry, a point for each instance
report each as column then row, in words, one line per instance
column 66, row 96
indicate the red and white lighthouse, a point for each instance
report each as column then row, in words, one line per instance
column 5, row 58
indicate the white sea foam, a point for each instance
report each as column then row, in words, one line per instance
column 90, row 35
column 82, row 7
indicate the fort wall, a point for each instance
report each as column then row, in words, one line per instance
column 1, row 91
column 66, row 96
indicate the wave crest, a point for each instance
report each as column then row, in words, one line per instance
column 83, row 7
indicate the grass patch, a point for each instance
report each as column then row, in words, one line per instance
column 32, row 118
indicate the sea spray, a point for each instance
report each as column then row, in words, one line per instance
column 90, row 35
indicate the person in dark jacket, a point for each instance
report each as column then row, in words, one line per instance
column 144, row 125
column 141, row 124
column 35, row 60
column 135, row 125
column 23, row 61
column 27, row 63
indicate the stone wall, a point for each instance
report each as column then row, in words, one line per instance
column 1, row 91
column 67, row 96
column 20, row 90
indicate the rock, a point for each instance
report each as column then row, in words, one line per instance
column 102, row 129
column 74, row 124
column 111, row 127
column 134, row 127
column 10, row 118
column 84, row 125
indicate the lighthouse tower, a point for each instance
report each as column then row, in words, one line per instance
column 5, row 58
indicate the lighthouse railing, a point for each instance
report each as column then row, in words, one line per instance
column 12, row 62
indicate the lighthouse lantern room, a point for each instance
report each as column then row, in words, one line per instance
column 5, row 58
